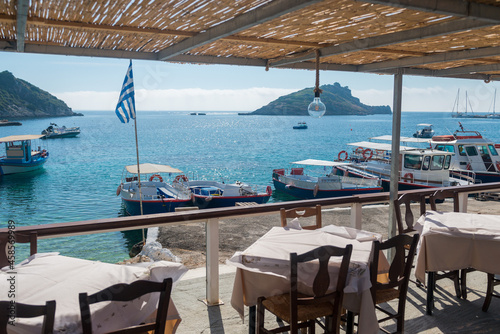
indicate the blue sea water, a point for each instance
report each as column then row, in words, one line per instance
column 79, row 180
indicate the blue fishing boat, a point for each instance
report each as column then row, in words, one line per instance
column 324, row 183
column 20, row 156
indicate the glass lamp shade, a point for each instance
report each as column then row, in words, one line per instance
column 316, row 108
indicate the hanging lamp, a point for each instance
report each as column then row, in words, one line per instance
column 316, row 108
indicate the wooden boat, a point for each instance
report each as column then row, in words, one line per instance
column 420, row 168
column 157, row 195
column 54, row 131
column 214, row 194
column 308, row 185
column 20, row 156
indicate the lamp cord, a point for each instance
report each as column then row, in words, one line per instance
column 317, row 89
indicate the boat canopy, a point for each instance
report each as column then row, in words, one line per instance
column 19, row 138
column 403, row 139
column 314, row 162
column 380, row 146
column 425, row 124
column 148, row 168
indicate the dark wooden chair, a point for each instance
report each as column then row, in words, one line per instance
column 396, row 286
column 127, row 292
column 301, row 311
column 48, row 311
column 302, row 212
column 492, row 282
column 20, row 237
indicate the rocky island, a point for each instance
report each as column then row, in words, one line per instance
column 338, row 101
column 19, row 98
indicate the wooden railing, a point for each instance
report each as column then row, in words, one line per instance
column 211, row 218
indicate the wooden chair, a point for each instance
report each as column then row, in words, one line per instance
column 406, row 225
column 398, row 277
column 127, row 292
column 300, row 310
column 48, row 312
column 302, row 212
column 20, row 237
column 492, row 282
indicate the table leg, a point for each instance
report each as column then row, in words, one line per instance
column 252, row 310
column 431, row 284
column 349, row 323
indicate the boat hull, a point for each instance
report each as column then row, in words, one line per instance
column 205, row 202
column 62, row 135
column 133, row 208
column 25, row 167
column 305, row 193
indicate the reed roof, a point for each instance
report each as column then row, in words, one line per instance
column 442, row 38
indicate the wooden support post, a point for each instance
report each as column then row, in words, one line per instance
column 462, row 202
column 212, row 266
column 356, row 213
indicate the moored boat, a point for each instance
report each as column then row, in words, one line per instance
column 157, row 195
column 20, row 156
column 214, row 194
column 305, row 184
column 54, row 131
column 300, row 126
column 5, row 122
column 424, row 131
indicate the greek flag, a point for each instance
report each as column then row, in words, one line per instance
column 125, row 109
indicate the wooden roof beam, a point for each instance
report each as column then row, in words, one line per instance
column 22, row 17
column 463, row 8
column 438, row 29
column 441, row 57
column 239, row 23
column 470, row 69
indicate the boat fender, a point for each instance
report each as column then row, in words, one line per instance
column 316, row 189
column 408, row 177
column 343, row 155
column 269, row 191
column 367, row 154
column 498, row 166
column 119, row 189
column 181, row 178
column 156, row 176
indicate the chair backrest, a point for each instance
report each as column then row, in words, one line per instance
column 18, row 237
column 406, row 200
column 400, row 267
column 48, row 311
column 302, row 212
column 127, row 292
column 442, row 194
column 321, row 280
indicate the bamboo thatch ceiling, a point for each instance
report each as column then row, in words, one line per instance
column 442, row 38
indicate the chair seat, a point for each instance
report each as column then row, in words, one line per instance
column 386, row 295
column 280, row 306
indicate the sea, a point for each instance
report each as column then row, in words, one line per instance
column 80, row 179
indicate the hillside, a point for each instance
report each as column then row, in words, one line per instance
column 338, row 101
column 19, row 98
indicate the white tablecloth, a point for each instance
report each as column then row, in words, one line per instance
column 263, row 268
column 49, row 276
column 453, row 241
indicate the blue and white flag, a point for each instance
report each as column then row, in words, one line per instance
column 125, row 109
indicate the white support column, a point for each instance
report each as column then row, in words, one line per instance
column 356, row 211
column 462, row 202
column 396, row 134
column 212, row 267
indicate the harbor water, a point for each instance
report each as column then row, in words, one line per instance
column 80, row 179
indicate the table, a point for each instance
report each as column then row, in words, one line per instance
column 454, row 241
column 49, row 276
column 263, row 268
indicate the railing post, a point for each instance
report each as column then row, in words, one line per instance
column 462, row 202
column 356, row 213
column 212, row 266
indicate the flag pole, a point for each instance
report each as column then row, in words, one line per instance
column 139, row 176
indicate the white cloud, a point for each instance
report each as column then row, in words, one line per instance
column 193, row 99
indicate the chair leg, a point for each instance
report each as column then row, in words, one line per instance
column 260, row 319
column 463, row 282
column 456, row 281
column 489, row 293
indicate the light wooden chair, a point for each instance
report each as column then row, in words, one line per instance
column 127, row 292
column 48, row 311
column 301, row 311
column 302, row 212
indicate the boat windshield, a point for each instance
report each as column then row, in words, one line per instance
column 437, row 162
column 446, row 148
column 493, row 150
column 413, row 161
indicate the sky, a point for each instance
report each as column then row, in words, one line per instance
column 91, row 83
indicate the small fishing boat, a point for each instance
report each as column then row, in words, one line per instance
column 322, row 184
column 155, row 194
column 214, row 194
column 424, row 131
column 20, row 156
column 54, row 131
column 300, row 126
